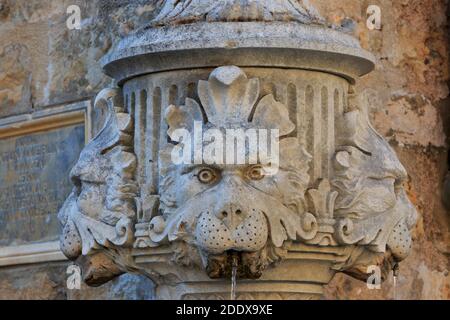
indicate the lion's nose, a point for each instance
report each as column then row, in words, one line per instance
column 231, row 215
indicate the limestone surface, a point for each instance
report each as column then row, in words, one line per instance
column 42, row 64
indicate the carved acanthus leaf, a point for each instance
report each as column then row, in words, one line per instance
column 229, row 100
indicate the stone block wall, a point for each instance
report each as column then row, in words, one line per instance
column 44, row 65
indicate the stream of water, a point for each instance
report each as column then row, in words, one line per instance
column 395, row 288
column 233, row 277
column 395, row 273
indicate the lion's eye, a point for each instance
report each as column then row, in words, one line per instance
column 206, row 176
column 255, row 173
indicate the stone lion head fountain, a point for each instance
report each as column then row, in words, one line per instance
column 327, row 198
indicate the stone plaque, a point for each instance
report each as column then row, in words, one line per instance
column 34, row 182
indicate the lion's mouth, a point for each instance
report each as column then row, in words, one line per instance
column 248, row 265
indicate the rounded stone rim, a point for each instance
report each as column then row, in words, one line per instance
column 170, row 48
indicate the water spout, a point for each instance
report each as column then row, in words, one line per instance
column 395, row 272
column 234, row 267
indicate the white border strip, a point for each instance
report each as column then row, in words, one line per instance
column 31, row 253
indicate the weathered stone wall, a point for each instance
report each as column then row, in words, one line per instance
column 43, row 63
column 411, row 109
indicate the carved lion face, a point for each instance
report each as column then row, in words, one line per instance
column 227, row 219
column 226, row 209
column 231, row 209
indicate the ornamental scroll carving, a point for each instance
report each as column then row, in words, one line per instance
column 206, row 213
